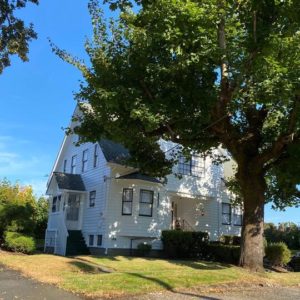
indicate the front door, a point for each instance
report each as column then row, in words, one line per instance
column 73, row 212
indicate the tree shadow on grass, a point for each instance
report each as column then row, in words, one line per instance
column 169, row 288
column 201, row 265
column 86, row 267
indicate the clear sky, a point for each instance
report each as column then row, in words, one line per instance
column 37, row 97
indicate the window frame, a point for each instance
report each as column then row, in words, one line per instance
column 227, row 214
column 84, row 161
column 99, row 237
column 55, row 207
column 92, row 204
column 195, row 166
column 96, row 156
column 124, row 201
column 65, row 166
column 140, row 201
column 73, row 164
column 91, row 239
column 237, row 212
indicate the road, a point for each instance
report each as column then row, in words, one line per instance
column 13, row 286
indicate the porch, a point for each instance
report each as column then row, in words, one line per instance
column 67, row 200
column 187, row 212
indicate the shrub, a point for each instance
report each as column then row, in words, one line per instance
column 18, row 242
column 143, row 249
column 295, row 263
column 184, row 244
column 230, row 240
column 223, row 253
column 278, row 254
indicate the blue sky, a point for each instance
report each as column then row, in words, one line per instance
column 37, row 97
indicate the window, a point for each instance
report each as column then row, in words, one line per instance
column 56, row 203
column 146, row 203
column 237, row 216
column 65, row 166
column 192, row 167
column 99, row 240
column 73, row 164
column 85, row 160
column 91, row 240
column 92, row 198
column 127, row 202
column 96, row 156
column 226, row 214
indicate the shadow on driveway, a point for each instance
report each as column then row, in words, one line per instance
column 15, row 286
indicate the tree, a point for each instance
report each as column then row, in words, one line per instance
column 202, row 74
column 20, row 211
column 14, row 34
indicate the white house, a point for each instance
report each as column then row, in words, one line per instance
column 99, row 204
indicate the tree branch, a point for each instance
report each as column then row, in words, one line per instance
column 283, row 140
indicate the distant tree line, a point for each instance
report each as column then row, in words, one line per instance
column 288, row 232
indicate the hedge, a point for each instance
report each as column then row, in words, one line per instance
column 19, row 243
column 184, row 244
column 223, row 253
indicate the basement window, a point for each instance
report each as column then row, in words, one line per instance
column 91, row 240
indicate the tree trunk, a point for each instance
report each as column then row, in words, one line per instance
column 252, row 249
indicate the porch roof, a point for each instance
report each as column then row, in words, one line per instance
column 139, row 176
column 67, row 181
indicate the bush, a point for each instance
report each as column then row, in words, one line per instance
column 278, row 254
column 230, row 240
column 223, row 253
column 19, row 243
column 184, row 244
column 143, row 249
column 295, row 263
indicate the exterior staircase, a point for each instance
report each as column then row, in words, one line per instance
column 76, row 244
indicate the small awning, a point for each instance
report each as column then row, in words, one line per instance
column 67, row 181
column 139, row 176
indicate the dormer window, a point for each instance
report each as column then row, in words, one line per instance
column 192, row 167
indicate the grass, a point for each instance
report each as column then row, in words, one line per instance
column 115, row 276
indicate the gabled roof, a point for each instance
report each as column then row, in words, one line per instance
column 139, row 176
column 113, row 152
column 67, row 181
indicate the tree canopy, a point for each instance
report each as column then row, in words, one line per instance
column 14, row 34
column 21, row 211
column 202, row 74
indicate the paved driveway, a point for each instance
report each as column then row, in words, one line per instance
column 13, row 286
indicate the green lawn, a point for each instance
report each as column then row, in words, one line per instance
column 112, row 276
